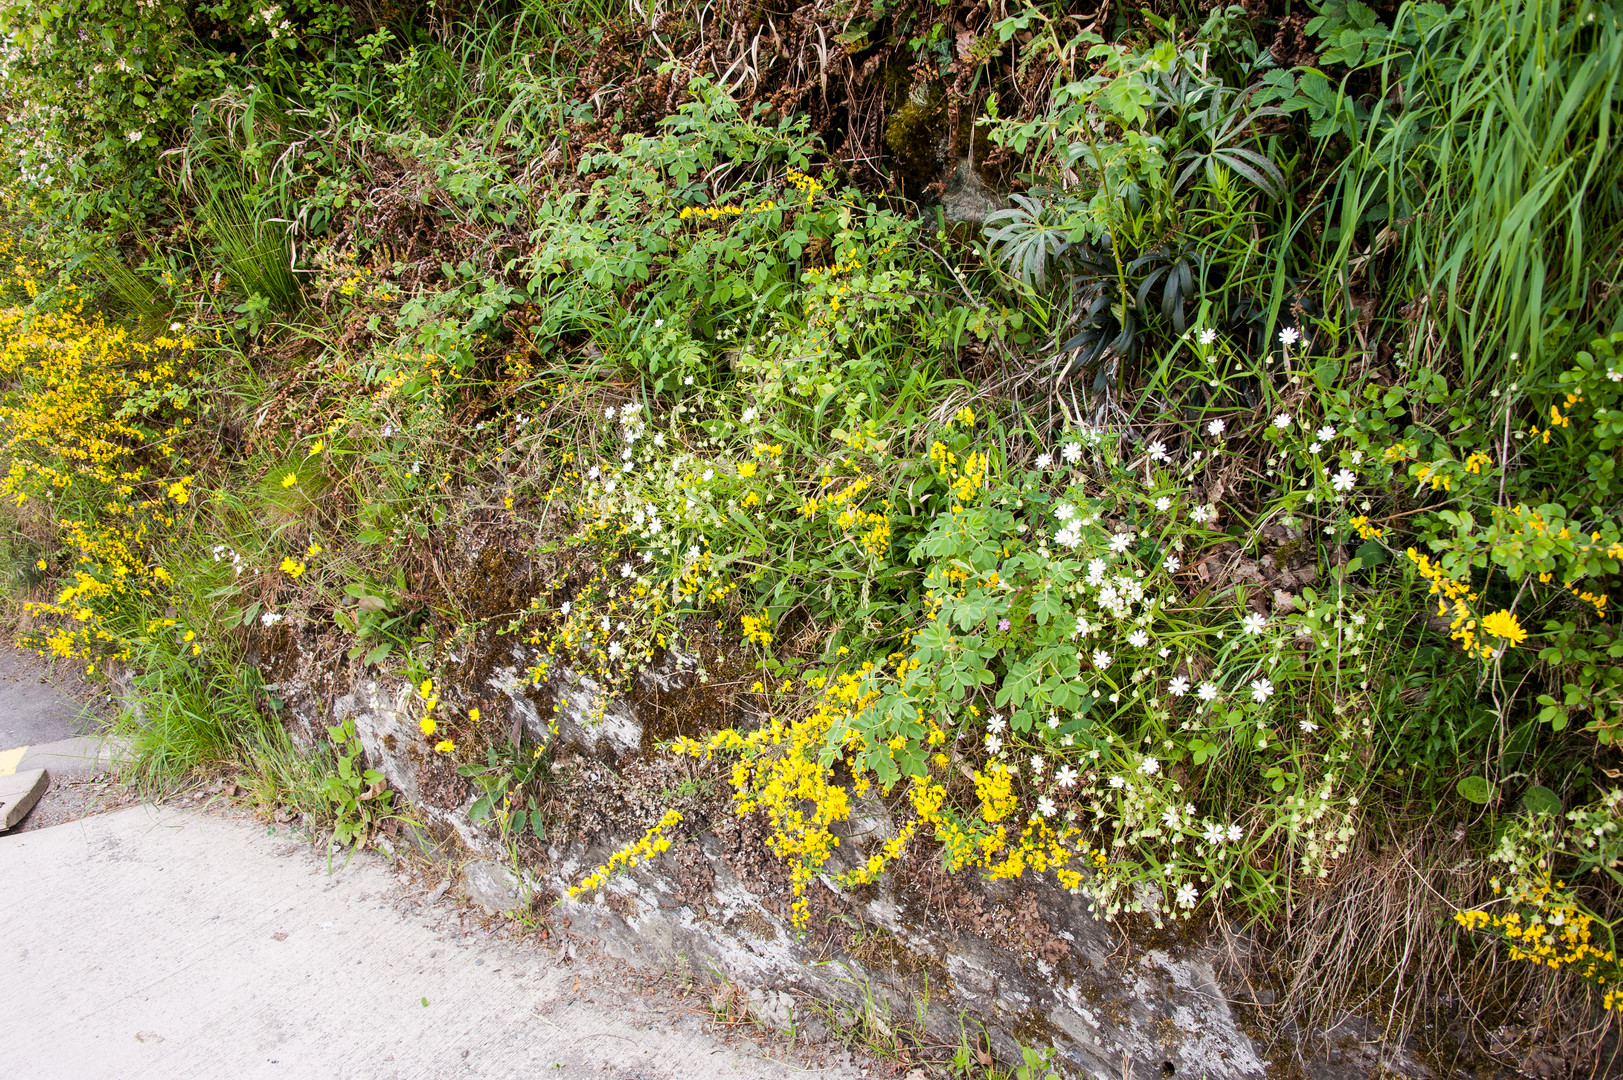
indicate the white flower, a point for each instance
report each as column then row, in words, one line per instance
column 1116, row 781
column 1178, row 687
column 658, row 323
column 1149, row 766
column 1325, row 434
column 993, row 744
column 1036, row 763
column 1158, row 451
column 1064, row 512
column 688, row 381
column 1212, row 833
column 1309, row 726
column 1313, row 448
column 1163, row 504
column 1164, row 651
column 626, row 569
column 616, row 650
column 1070, row 536
column 1101, row 659
column 1045, row 461
column 1235, row 834
column 1207, row 692
column 1138, row 639
column 1215, row 428
column 1261, row 690
column 1201, row 514
column 1071, row 452
column 1046, row 807
column 564, row 608
column 1187, row 895
column 1083, row 627
column 1171, row 563
column 1345, row 480
column 175, row 327
column 1359, row 620
column 996, row 723
column 1282, row 421
column 1253, row 623
column 608, row 412
column 1065, row 775
column 134, row 136
column 270, row 618
column 1169, row 817
column 708, row 474
column 1615, row 376
column 1208, row 336
column 1289, row 336
column 1120, row 542
column 749, row 415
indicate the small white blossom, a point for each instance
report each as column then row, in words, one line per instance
column 1171, row 563
column 1208, row 336
column 1325, row 434
column 1235, row 833
column 1149, row 766
column 1101, row 659
column 1158, row 451
column 1036, row 764
column 1163, row 504
column 1201, row 514
column 1212, row 834
column 1064, row 512
column 1345, row 480
column 1261, row 690
column 1215, row 428
column 1289, row 336
column 1045, row 461
column 1065, row 775
column 993, row 744
column 1187, row 895
column 1046, row 807
column 658, row 323
column 270, row 618
column 1309, row 726
column 997, row 723
column 1282, row 421
column 1253, row 623
column 1120, row 542
column 1178, row 687
column 1138, row 639
column 1313, row 448
column 1071, row 452
column 1207, row 692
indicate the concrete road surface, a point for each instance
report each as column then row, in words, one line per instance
column 165, row 943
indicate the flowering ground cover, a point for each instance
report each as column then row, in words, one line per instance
column 1229, row 518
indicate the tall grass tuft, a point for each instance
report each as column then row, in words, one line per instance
column 1491, row 156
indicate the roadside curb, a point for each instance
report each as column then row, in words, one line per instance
column 26, row 772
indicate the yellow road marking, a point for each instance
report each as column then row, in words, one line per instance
column 9, row 760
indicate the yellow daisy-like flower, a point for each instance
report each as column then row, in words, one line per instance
column 746, row 469
column 445, row 746
column 290, row 479
column 427, row 725
column 292, row 567
column 473, row 713
column 313, row 550
column 1502, row 624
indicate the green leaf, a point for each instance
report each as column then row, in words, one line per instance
column 1475, row 789
column 1539, row 800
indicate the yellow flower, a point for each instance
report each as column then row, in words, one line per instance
column 1502, row 624
column 292, row 567
column 40, row 564
column 320, row 445
column 290, row 479
column 473, row 713
column 427, row 688
column 313, row 550
column 190, row 634
column 445, row 746
column 746, row 469
column 426, row 725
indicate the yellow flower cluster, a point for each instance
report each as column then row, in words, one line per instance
column 654, row 842
column 804, row 184
column 96, row 414
column 757, row 629
column 1448, row 591
column 1548, row 929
